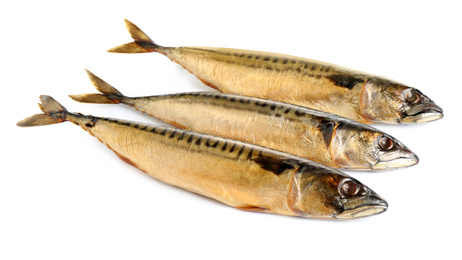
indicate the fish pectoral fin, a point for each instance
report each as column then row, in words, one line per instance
column 275, row 165
column 253, row 208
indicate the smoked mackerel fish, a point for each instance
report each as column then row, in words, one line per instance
column 238, row 174
column 319, row 136
column 353, row 94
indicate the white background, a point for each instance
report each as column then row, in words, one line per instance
column 64, row 195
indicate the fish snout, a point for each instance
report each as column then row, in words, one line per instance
column 422, row 113
column 363, row 206
column 398, row 158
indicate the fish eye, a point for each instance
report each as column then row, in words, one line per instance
column 385, row 143
column 411, row 96
column 348, row 188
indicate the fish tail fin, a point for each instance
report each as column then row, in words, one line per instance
column 108, row 95
column 53, row 113
column 141, row 44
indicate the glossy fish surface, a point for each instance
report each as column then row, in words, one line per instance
column 241, row 175
column 319, row 136
column 353, row 94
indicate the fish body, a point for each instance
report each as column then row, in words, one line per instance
column 274, row 76
column 238, row 174
column 319, row 136
column 353, row 94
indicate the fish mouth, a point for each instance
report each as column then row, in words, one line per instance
column 364, row 206
column 423, row 113
column 396, row 159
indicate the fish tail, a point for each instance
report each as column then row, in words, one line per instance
column 108, row 95
column 141, row 44
column 53, row 113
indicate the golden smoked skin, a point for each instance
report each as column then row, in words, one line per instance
column 272, row 76
column 201, row 170
column 352, row 94
column 206, row 115
column 241, row 175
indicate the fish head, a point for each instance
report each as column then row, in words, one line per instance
column 386, row 101
column 368, row 148
column 333, row 195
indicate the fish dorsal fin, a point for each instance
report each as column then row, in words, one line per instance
column 275, row 165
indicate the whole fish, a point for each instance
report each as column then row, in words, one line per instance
column 353, row 94
column 319, row 136
column 241, row 175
